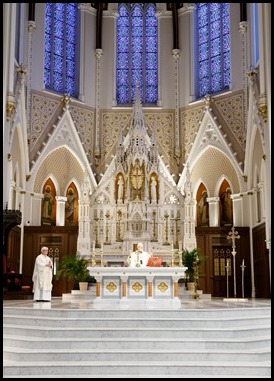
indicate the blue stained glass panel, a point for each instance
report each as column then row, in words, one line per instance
column 150, row 45
column 138, row 23
column 213, row 47
column 151, row 61
column 216, row 82
column 203, row 35
column 137, row 44
column 203, row 69
column 215, row 65
column 215, row 30
column 203, row 52
column 60, row 47
column 136, row 60
column 123, row 44
column 70, row 52
column 226, row 43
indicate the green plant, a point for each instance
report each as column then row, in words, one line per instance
column 191, row 259
column 74, row 268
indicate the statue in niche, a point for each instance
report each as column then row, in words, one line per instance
column 120, row 184
column 137, row 179
column 226, row 203
column 70, row 205
column 203, row 209
column 47, row 201
column 153, row 189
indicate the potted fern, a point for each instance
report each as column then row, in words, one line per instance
column 74, row 268
column 192, row 260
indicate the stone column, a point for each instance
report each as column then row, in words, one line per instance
column 214, row 211
column 60, row 210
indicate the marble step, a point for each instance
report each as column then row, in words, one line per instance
column 193, row 309
column 126, row 355
column 139, row 369
column 113, row 332
column 89, row 343
column 118, row 322
column 156, row 343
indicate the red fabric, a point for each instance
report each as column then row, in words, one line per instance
column 155, row 262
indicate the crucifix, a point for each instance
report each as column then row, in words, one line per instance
column 233, row 235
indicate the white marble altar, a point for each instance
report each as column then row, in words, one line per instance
column 150, row 286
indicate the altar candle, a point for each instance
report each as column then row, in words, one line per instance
column 93, row 246
column 243, row 262
column 172, row 246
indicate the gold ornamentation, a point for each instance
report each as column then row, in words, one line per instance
column 66, row 99
column 262, row 108
column 111, row 287
column 162, row 287
column 137, row 287
column 10, row 108
column 252, row 72
column 137, row 176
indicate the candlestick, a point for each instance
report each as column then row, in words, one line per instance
column 102, row 253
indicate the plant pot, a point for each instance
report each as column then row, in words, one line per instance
column 191, row 286
column 83, row 286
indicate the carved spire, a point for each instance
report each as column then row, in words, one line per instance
column 138, row 148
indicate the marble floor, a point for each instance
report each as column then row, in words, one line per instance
column 213, row 303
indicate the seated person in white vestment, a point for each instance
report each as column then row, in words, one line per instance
column 138, row 258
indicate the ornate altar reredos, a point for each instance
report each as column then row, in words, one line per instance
column 137, row 198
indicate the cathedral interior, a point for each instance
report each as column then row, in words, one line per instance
column 132, row 122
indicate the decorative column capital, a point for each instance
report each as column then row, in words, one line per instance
column 176, row 54
column 10, row 108
column 262, row 107
column 242, row 27
column 98, row 53
column 31, row 26
column 66, row 99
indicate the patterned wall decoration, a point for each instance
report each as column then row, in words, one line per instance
column 212, row 173
column 190, row 119
column 45, row 113
column 84, row 121
column 231, row 109
column 63, row 166
column 42, row 110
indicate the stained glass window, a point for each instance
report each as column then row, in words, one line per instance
column 212, row 33
column 137, row 63
column 61, row 47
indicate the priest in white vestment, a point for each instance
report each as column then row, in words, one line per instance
column 42, row 277
column 138, row 258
